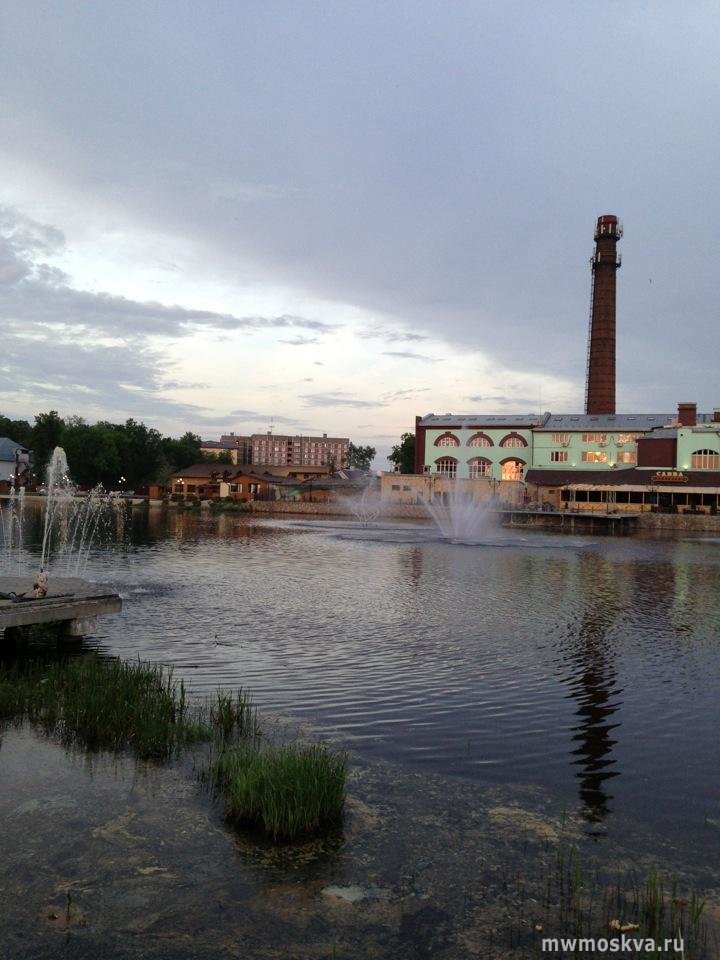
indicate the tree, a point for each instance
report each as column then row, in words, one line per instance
column 46, row 435
column 141, row 451
column 403, row 454
column 18, row 430
column 95, row 453
column 183, row 452
column 224, row 456
column 360, row 457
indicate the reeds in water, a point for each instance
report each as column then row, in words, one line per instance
column 103, row 704
column 287, row 791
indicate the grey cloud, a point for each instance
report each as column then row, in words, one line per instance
column 254, row 416
column 300, row 341
column 454, row 186
column 404, row 394
column 79, row 377
column 514, row 401
column 102, row 313
column 183, row 385
column 390, row 336
column 338, row 400
column 34, row 292
column 409, row 355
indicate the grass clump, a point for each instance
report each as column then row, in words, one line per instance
column 234, row 716
column 287, row 791
column 102, row 704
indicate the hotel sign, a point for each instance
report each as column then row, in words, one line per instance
column 669, row 476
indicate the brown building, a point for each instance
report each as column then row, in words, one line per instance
column 283, row 450
column 209, row 481
column 239, row 448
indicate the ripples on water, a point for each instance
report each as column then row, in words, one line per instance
column 590, row 667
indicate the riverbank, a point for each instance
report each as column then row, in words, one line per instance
column 700, row 522
column 108, row 856
column 705, row 523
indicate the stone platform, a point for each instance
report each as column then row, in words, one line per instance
column 69, row 601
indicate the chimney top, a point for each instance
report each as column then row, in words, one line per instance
column 687, row 414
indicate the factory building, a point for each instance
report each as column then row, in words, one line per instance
column 598, row 459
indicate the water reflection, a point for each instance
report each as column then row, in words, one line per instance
column 589, row 668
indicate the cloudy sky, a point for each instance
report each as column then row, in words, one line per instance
column 331, row 216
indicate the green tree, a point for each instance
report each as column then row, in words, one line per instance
column 46, row 435
column 183, row 452
column 360, row 457
column 141, row 450
column 403, row 453
column 224, row 456
column 18, row 430
column 94, row 452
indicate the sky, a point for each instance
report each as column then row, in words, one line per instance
column 332, row 216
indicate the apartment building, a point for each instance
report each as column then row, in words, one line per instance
column 285, row 450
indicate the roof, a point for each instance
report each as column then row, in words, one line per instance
column 269, row 435
column 203, row 470
column 228, row 472
column 632, row 476
column 470, row 421
column 217, row 445
column 8, row 448
column 635, row 422
column 566, row 422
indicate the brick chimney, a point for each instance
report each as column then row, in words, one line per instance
column 687, row 414
column 600, row 383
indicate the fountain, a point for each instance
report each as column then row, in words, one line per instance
column 460, row 517
column 70, row 526
column 12, row 520
column 366, row 507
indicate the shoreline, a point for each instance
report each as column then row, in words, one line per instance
column 700, row 523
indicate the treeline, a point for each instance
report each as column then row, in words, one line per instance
column 115, row 454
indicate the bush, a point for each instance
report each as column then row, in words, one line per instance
column 287, row 791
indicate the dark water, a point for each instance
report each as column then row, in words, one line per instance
column 590, row 668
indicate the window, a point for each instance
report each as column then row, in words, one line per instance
column 558, row 456
column 479, row 467
column 513, row 469
column 627, row 456
column 561, row 438
column 479, row 440
column 705, row 460
column 513, row 440
column 395, row 486
column 406, row 488
column 447, row 440
column 594, row 438
column 447, row 466
column 594, row 456
column 628, row 437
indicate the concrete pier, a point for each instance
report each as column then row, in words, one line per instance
column 566, row 521
column 70, row 601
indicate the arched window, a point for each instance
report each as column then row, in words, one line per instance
column 480, row 440
column 447, row 440
column 513, row 440
column 447, row 466
column 479, row 467
column 513, row 469
column 705, row 460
